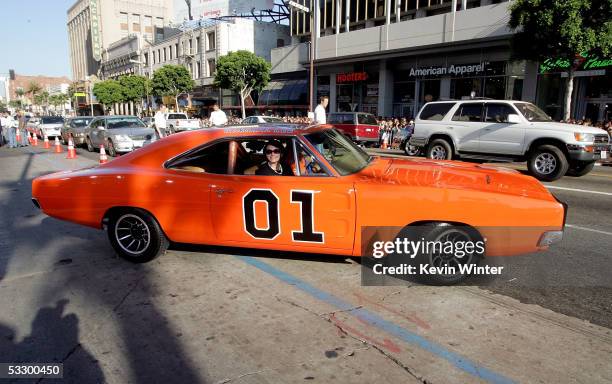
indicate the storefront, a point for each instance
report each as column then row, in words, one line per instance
column 399, row 86
column 284, row 97
column 592, row 91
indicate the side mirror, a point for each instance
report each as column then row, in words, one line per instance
column 514, row 118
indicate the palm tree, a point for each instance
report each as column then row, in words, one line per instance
column 33, row 90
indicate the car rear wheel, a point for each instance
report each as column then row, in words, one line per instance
column 547, row 163
column 136, row 236
column 580, row 169
column 111, row 149
column 440, row 149
column 90, row 147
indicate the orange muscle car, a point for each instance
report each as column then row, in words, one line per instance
column 223, row 186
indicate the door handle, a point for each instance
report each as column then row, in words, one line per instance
column 449, row 127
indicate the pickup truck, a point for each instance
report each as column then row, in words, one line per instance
column 508, row 130
column 178, row 122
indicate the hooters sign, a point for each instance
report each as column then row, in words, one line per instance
column 351, row 77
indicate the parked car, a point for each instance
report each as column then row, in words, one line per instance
column 32, row 125
column 507, row 130
column 261, row 120
column 361, row 127
column 178, row 122
column 149, row 121
column 118, row 134
column 75, row 127
column 50, row 126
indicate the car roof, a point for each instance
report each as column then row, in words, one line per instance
column 477, row 101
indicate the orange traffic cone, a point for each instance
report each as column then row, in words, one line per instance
column 46, row 143
column 18, row 137
column 71, row 150
column 30, row 139
column 385, row 142
column 58, row 146
column 103, row 157
column 34, row 140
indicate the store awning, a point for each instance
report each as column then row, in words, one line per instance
column 284, row 92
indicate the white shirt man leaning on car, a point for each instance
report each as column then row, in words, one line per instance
column 319, row 112
column 217, row 117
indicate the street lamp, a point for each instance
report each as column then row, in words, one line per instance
column 301, row 8
column 89, row 89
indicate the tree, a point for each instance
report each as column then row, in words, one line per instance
column 561, row 29
column 135, row 88
column 172, row 80
column 16, row 104
column 242, row 72
column 2, row 106
column 108, row 92
column 33, row 89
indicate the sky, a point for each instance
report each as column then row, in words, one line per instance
column 34, row 37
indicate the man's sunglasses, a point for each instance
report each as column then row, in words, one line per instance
column 271, row 151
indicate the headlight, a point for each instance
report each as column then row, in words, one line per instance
column 122, row 138
column 588, row 137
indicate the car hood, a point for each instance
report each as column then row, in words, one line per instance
column 568, row 127
column 452, row 174
column 131, row 131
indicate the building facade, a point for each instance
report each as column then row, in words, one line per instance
column 94, row 24
column 389, row 57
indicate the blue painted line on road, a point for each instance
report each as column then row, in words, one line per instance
column 375, row 320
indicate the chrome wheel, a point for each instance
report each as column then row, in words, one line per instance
column 411, row 150
column 132, row 234
column 545, row 163
column 438, row 152
column 439, row 258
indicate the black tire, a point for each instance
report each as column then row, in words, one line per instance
column 442, row 232
column 547, row 163
column 412, row 150
column 171, row 129
column 111, row 149
column 139, row 225
column 90, row 147
column 440, row 149
column 580, row 169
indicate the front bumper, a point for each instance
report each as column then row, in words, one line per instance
column 129, row 146
column 588, row 152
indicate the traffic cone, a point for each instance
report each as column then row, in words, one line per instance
column 34, row 140
column 58, row 146
column 18, row 137
column 71, row 150
column 385, row 142
column 46, row 141
column 30, row 140
column 103, row 157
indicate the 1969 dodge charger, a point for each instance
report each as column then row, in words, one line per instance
column 293, row 188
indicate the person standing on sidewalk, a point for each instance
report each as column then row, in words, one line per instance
column 160, row 121
column 319, row 112
column 2, row 129
column 23, row 131
column 12, row 130
column 217, row 116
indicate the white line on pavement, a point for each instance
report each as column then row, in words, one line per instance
column 579, row 190
column 588, row 229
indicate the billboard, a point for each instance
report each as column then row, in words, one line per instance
column 205, row 9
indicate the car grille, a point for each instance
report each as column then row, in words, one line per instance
column 601, row 139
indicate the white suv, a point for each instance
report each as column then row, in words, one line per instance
column 507, row 130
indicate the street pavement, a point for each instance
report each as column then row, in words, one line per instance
column 224, row 315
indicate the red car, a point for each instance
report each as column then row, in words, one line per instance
column 359, row 126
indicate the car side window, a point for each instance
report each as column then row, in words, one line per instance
column 210, row 159
column 498, row 113
column 435, row 111
column 332, row 118
column 307, row 163
column 349, row 118
column 469, row 112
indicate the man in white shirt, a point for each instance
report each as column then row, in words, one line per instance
column 217, row 116
column 160, row 120
column 320, row 110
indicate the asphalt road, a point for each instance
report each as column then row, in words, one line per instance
column 217, row 315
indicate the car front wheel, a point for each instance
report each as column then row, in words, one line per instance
column 90, row 147
column 412, row 150
column 547, row 163
column 136, row 236
column 580, row 169
column 111, row 149
column 440, row 149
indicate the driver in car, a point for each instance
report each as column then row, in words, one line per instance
column 273, row 166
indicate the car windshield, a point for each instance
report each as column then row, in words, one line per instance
column 81, row 122
column 532, row 113
column 125, row 122
column 341, row 153
column 272, row 119
column 52, row 120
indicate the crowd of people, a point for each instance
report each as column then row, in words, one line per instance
column 605, row 125
column 13, row 130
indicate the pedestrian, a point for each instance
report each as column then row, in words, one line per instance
column 319, row 112
column 23, row 120
column 217, row 116
column 12, row 130
column 160, row 121
column 2, row 124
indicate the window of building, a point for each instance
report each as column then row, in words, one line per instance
column 153, row 56
column 197, row 45
column 159, row 22
column 165, row 56
column 148, row 27
column 135, row 22
column 159, row 56
column 190, row 47
column 170, row 48
column 210, row 36
column 197, row 70
column 176, row 50
column 280, row 43
column 146, row 58
column 211, row 67
column 123, row 24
